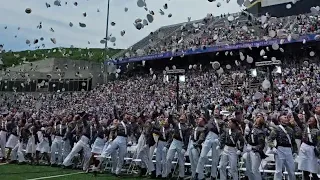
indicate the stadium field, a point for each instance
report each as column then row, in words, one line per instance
column 28, row 172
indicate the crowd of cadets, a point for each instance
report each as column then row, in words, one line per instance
column 180, row 134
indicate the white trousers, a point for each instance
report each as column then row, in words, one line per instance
column 118, row 144
column 285, row 159
column 176, row 147
column 210, row 143
column 12, row 141
column 114, row 162
column 17, row 152
column 161, row 155
column 194, row 154
column 253, row 162
column 31, row 145
column 43, row 146
column 82, row 144
column 3, row 139
column 98, row 145
column 56, row 150
column 114, row 158
column 229, row 156
column 66, row 149
column 307, row 159
column 146, row 161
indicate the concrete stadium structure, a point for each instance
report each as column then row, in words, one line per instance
column 55, row 74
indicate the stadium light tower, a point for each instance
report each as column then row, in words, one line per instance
column 178, row 73
column 270, row 65
column 107, row 30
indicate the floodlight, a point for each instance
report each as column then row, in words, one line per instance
column 182, row 78
column 254, row 72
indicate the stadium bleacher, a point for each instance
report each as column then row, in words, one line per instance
column 222, row 30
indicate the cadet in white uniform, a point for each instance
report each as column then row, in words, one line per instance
column 231, row 144
column 3, row 138
column 309, row 150
column 23, row 134
column 161, row 153
column 82, row 144
column 255, row 136
column 98, row 135
column 43, row 147
column 143, row 153
column 59, row 130
column 211, row 142
column 196, row 139
column 123, row 131
column 13, row 130
column 286, row 148
column 178, row 145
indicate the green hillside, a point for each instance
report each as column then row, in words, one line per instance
column 93, row 54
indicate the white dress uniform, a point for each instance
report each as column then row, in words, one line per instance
column 286, row 145
column 178, row 145
column 13, row 138
column 119, row 144
column 66, row 148
column 31, row 144
column 144, row 152
column 195, row 143
column 17, row 151
column 99, row 142
column 254, row 152
column 229, row 141
column 114, row 158
column 3, row 138
column 144, row 155
column 307, row 160
column 161, row 153
column 82, row 144
column 57, row 144
column 211, row 142
column 43, row 146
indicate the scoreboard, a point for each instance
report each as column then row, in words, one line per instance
column 266, row 3
column 279, row 8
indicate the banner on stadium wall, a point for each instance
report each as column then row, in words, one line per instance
column 217, row 48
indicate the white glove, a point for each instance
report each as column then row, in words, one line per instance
column 218, row 147
column 100, row 158
column 294, row 155
column 247, row 130
column 274, row 150
column 183, row 151
column 216, row 140
column 238, row 152
column 249, row 148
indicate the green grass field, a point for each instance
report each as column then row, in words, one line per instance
column 28, row 172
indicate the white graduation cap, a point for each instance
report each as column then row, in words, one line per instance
column 150, row 18
column 225, row 113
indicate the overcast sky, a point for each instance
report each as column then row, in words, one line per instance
column 12, row 15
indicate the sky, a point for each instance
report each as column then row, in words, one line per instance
column 13, row 15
